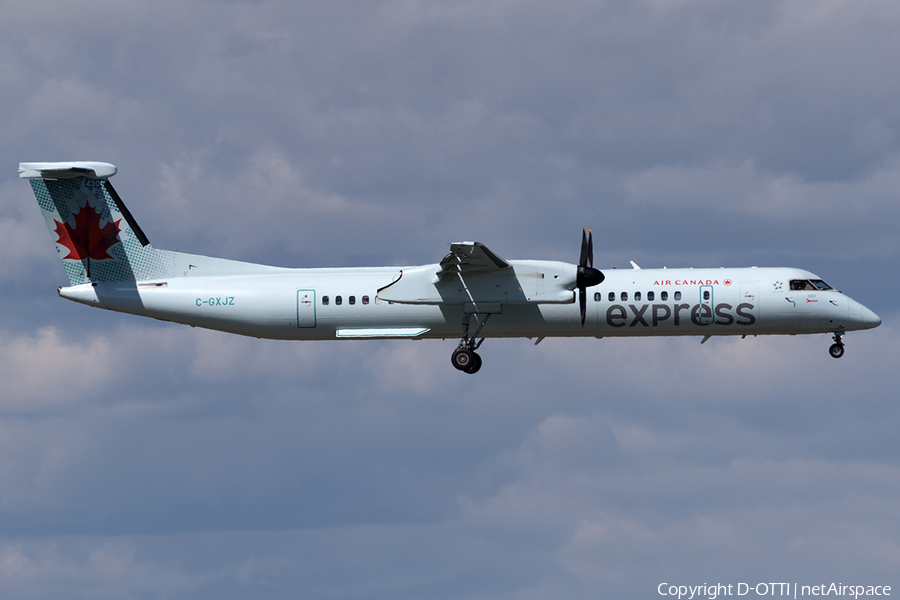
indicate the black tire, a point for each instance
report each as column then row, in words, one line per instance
column 476, row 364
column 462, row 359
column 836, row 350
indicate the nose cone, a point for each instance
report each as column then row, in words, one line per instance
column 862, row 317
column 870, row 319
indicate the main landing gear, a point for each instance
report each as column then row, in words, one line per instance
column 837, row 348
column 464, row 357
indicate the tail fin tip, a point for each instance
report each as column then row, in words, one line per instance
column 66, row 170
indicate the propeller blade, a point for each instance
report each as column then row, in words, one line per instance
column 582, row 262
column 582, row 301
column 590, row 256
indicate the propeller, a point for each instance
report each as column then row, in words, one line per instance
column 587, row 275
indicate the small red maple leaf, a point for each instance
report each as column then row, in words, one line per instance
column 87, row 239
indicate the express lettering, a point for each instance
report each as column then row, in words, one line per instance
column 701, row 315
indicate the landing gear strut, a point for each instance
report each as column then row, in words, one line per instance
column 837, row 348
column 464, row 357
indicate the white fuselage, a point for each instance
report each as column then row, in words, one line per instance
column 320, row 304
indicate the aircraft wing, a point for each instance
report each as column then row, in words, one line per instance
column 474, row 276
column 467, row 258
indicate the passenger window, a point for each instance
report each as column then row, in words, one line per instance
column 678, row 295
column 351, row 300
column 624, row 296
column 612, row 296
column 596, row 296
column 637, row 296
column 650, row 296
column 324, row 300
column 664, row 296
column 377, row 300
column 338, row 301
column 365, row 299
column 706, row 294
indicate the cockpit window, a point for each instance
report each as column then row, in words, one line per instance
column 799, row 285
column 821, row 284
column 812, row 285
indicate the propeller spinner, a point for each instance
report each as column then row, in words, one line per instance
column 587, row 275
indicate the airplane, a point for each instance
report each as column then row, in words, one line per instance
column 471, row 294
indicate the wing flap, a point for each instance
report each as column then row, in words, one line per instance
column 470, row 257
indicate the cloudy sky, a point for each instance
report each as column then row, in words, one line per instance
column 144, row 460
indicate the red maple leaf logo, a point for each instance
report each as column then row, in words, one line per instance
column 87, row 239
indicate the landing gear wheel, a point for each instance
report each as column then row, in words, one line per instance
column 464, row 359
column 836, row 350
column 476, row 364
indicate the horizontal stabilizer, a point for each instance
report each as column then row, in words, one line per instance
column 66, row 170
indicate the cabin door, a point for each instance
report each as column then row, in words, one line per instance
column 306, row 308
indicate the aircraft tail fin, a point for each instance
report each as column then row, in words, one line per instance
column 96, row 236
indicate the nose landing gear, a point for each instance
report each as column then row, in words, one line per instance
column 464, row 357
column 837, row 348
